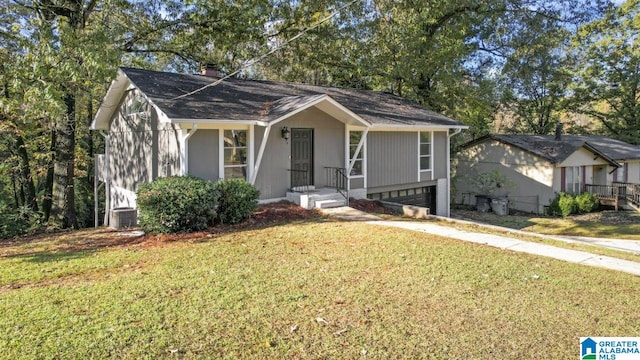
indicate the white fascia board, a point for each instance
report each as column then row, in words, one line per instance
column 323, row 98
column 385, row 127
column 220, row 122
column 110, row 102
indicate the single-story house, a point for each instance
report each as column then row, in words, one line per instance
column 537, row 167
column 310, row 144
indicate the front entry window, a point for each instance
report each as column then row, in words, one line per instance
column 354, row 140
column 235, row 154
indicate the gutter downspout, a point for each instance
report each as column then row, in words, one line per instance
column 449, row 136
column 263, row 145
column 107, row 180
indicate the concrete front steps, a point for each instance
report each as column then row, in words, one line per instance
column 322, row 198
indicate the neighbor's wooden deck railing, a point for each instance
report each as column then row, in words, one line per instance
column 631, row 192
column 607, row 194
column 616, row 194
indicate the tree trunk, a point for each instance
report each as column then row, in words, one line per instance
column 48, row 184
column 15, row 191
column 64, row 169
column 25, row 175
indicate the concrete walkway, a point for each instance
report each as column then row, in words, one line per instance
column 507, row 243
column 632, row 246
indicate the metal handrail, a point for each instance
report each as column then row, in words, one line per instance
column 336, row 177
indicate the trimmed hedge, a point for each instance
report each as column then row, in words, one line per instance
column 236, row 200
column 566, row 204
column 176, row 204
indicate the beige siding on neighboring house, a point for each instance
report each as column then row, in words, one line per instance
column 534, row 177
column 392, row 158
column 329, row 145
column 204, row 154
column 582, row 157
column 633, row 172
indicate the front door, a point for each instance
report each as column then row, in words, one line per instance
column 600, row 175
column 301, row 157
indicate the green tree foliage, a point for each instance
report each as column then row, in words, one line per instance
column 607, row 71
column 468, row 59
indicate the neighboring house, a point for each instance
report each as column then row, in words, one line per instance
column 538, row 167
column 292, row 141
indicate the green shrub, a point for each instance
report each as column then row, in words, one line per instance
column 566, row 204
column 15, row 222
column 236, row 200
column 176, row 204
column 586, row 202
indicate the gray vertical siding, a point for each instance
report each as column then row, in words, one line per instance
column 273, row 178
column 141, row 150
column 439, row 155
column 204, row 154
column 392, row 158
column 134, row 148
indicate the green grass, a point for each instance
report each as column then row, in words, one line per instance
column 383, row 292
column 615, row 225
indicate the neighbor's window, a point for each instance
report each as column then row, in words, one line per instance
column 235, row 154
column 620, row 173
column 573, row 180
column 425, row 150
column 354, row 140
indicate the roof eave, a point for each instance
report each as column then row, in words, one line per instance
column 110, row 102
column 406, row 127
column 599, row 153
column 319, row 102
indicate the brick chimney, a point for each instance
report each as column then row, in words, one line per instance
column 559, row 131
column 210, row 70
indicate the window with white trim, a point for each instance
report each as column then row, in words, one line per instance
column 425, row 150
column 354, row 140
column 235, row 154
column 573, row 180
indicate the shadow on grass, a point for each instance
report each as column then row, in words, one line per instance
column 67, row 247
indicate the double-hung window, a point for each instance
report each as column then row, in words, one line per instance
column 425, row 150
column 573, row 179
column 354, row 140
column 235, row 154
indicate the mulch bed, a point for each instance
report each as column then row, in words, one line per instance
column 92, row 239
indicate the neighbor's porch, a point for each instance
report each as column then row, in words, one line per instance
column 619, row 194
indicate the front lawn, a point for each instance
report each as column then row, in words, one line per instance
column 604, row 224
column 312, row 289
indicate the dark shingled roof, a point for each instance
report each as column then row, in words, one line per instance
column 236, row 99
column 557, row 151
